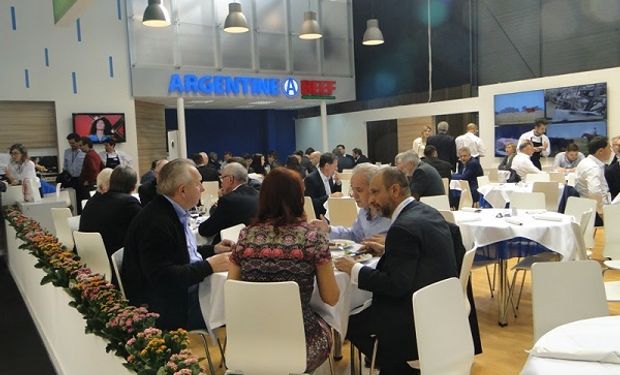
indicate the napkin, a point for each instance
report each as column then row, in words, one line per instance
column 534, row 212
column 469, row 219
column 513, row 220
column 547, row 217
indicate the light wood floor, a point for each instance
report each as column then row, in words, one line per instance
column 503, row 347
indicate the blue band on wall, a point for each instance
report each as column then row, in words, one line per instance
column 118, row 9
column 13, row 19
column 74, row 79
column 47, row 57
column 79, row 30
column 110, row 63
column 26, row 78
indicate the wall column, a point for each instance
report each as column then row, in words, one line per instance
column 181, row 127
column 324, row 126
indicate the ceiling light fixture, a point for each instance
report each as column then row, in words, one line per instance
column 236, row 22
column 156, row 15
column 373, row 35
column 262, row 102
column 310, row 29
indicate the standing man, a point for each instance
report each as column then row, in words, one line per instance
column 162, row 265
column 424, row 180
column 72, row 162
column 471, row 141
column 568, row 160
column 359, row 156
column 444, row 143
column 542, row 146
column 418, row 252
column 323, row 183
column 469, row 170
column 590, row 180
column 90, row 169
column 111, row 158
column 612, row 171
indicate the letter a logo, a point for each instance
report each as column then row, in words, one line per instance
column 290, row 87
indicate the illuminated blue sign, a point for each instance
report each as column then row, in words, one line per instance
column 232, row 86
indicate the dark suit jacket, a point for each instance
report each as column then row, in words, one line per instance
column 156, row 269
column 426, row 181
column 147, row 192
column 443, row 167
column 612, row 175
column 471, row 172
column 506, row 163
column 362, row 159
column 238, row 206
column 345, row 161
column 418, row 252
column 316, row 190
column 446, row 148
column 208, row 173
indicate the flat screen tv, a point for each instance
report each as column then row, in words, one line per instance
column 100, row 127
column 519, row 107
column 576, row 103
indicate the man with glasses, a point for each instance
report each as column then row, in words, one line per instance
column 238, row 202
column 612, row 172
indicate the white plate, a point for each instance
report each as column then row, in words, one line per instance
column 362, row 258
column 340, row 244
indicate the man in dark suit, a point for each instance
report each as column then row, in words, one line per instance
column 612, row 171
column 207, row 172
column 424, row 180
column 315, row 158
column 444, row 143
column 359, row 156
column 443, row 167
column 323, row 183
column 469, row 169
column 345, row 161
column 148, row 191
column 238, row 202
column 511, row 151
column 418, row 252
column 162, row 265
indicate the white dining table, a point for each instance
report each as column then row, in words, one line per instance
column 498, row 194
column 589, row 346
column 488, row 229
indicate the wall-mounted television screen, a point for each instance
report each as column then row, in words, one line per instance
column 576, row 103
column 100, row 127
column 519, row 107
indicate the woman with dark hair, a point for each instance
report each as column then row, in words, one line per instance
column 280, row 246
column 292, row 163
column 100, row 130
column 20, row 167
column 258, row 164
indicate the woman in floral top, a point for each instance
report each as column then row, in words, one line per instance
column 281, row 247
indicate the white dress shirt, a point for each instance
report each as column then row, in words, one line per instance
column 522, row 165
column 590, row 181
column 328, row 189
column 530, row 136
column 472, row 142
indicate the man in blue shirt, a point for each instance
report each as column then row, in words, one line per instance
column 72, row 161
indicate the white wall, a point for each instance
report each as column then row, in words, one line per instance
column 103, row 35
column 350, row 128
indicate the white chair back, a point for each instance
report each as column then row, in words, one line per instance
column 309, row 209
column 563, row 292
column 580, row 252
column 551, row 190
column 91, row 249
column 232, row 233
column 345, row 185
column 611, row 224
column 448, row 216
column 438, row 202
column 558, row 177
column 264, row 328
column 532, row 177
column 468, row 262
column 117, row 264
column 575, row 207
column 570, row 179
column 528, row 201
column 12, row 195
column 446, row 185
column 466, row 199
column 483, row 180
column 342, row 211
column 445, row 348
column 492, row 174
column 60, row 217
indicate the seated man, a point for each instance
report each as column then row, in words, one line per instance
column 238, row 202
column 612, row 172
column 323, row 183
column 521, row 164
column 590, row 180
column 418, row 252
column 506, row 163
column 148, row 191
column 206, row 171
column 443, row 167
column 469, row 170
column 369, row 221
column 424, row 180
column 162, row 265
column 568, row 160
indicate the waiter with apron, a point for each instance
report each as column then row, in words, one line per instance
column 539, row 140
column 111, row 158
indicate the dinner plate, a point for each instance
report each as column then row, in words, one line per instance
column 340, row 244
column 362, row 258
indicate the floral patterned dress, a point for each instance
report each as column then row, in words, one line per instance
column 288, row 253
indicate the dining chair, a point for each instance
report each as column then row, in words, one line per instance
column 527, row 201
column 466, row 266
column 448, row 216
column 232, row 233
column 466, row 199
column 492, row 174
column 611, row 248
column 91, row 249
column 446, row 185
column 345, row 186
column 264, row 328
column 342, row 211
column 558, row 177
column 532, row 177
column 563, row 292
column 117, row 265
column 483, row 180
column 60, row 218
column 575, row 207
column 309, row 209
column 445, row 348
column 438, row 202
column 551, row 191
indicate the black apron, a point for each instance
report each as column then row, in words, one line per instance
column 535, row 158
column 112, row 161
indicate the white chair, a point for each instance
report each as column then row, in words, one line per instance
column 483, row 180
column 466, row 265
column 91, row 249
column 532, row 177
column 466, row 199
column 611, row 249
column 342, row 211
column 438, row 202
column 345, row 186
column 552, row 194
column 527, row 201
column 61, row 226
column 445, row 348
column 558, row 177
column 264, row 328
column 12, row 195
column 448, row 216
column 309, row 209
column 563, row 292
column 576, row 207
column 446, row 185
column 117, row 265
column 232, row 233
column 492, row 174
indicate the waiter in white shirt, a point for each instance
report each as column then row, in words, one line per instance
column 542, row 146
column 471, row 141
column 590, row 180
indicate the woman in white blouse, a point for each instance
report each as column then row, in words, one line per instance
column 420, row 142
column 21, row 166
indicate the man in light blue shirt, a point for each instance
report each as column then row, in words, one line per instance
column 72, row 162
column 368, row 223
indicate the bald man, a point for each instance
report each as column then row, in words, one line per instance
column 148, row 191
column 471, row 141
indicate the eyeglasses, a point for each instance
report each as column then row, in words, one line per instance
column 15, row 152
column 222, row 177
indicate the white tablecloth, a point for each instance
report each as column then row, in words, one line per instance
column 564, row 350
column 498, row 195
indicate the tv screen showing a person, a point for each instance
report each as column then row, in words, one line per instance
column 100, row 128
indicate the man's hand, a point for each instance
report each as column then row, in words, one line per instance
column 223, row 247
column 375, row 248
column 337, row 194
column 378, row 238
column 320, row 225
column 219, row 262
column 344, row 264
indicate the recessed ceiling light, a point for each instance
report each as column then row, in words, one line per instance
column 202, row 101
column 262, row 102
column 244, row 106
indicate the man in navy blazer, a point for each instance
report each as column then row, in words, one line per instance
column 469, row 169
column 323, row 183
column 418, row 252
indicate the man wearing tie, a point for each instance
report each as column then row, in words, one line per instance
column 323, row 183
